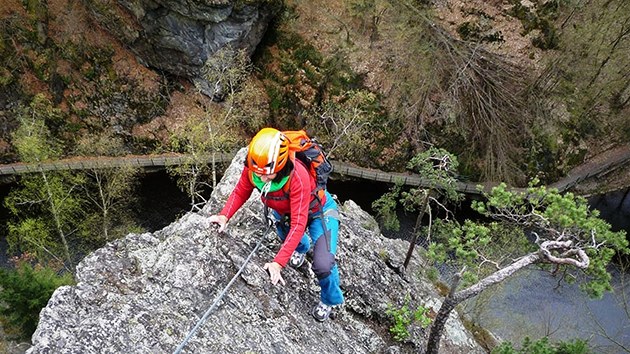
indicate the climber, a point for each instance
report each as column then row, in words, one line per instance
column 269, row 167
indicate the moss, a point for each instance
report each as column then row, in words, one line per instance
column 541, row 19
column 473, row 31
column 275, row 98
column 442, row 288
column 432, row 274
column 36, row 8
column 383, row 255
column 482, row 336
column 5, row 77
column 307, row 53
column 469, row 31
column 548, row 38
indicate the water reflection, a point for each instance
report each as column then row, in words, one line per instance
column 533, row 304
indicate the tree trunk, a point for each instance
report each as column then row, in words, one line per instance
column 192, row 183
column 214, row 169
column 104, row 206
column 455, row 298
column 433, row 343
column 416, row 227
column 623, row 33
column 58, row 225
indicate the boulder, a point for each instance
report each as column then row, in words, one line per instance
column 144, row 293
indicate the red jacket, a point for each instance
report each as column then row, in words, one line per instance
column 297, row 205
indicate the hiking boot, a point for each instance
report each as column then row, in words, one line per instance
column 297, row 259
column 322, row 311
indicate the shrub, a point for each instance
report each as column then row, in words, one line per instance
column 403, row 317
column 542, row 346
column 25, row 290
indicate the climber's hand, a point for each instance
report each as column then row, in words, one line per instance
column 274, row 270
column 220, row 220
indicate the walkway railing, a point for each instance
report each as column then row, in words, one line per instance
column 85, row 163
column 604, row 164
column 408, row 179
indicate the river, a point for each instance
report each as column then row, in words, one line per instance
column 529, row 304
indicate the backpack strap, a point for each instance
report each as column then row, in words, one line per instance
column 318, row 194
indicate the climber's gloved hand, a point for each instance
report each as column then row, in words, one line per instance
column 220, row 220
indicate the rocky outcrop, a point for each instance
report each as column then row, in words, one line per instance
column 144, row 293
column 179, row 36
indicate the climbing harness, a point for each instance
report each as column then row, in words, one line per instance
column 220, row 296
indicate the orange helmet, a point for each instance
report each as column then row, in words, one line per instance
column 268, row 152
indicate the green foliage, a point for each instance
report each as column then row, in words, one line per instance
column 226, row 70
column 541, row 19
column 385, row 208
column 324, row 95
column 37, row 9
column 31, row 234
column 367, row 15
column 109, row 191
column 251, row 109
column 543, row 346
column 352, row 126
column 25, row 290
column 45, row 210
column 432, row 274
column 565, row 218
column 292, row 75
column 212, row 129
column 470, row 243
column 562, row 233
column 47, row 207
column 439, row 168
column 403, row 317
column 33, row 139
column 478, row 32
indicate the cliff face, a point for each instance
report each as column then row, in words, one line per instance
column 144, row 293
column 179, row 36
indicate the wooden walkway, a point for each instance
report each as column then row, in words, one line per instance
column 85, row 163
column 160, row 161
column 408, row 179
column 596, row 167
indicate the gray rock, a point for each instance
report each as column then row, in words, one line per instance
column 144, row 293
column 178, row 36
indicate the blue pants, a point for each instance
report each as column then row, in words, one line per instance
column 324, row 251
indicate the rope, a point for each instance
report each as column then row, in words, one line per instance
column 220, row 296
column 204, row 318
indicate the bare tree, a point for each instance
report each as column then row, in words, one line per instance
column 109, row 189
column 213, row 129
column 347, row 122
column 46, row 205
column 477, row 96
